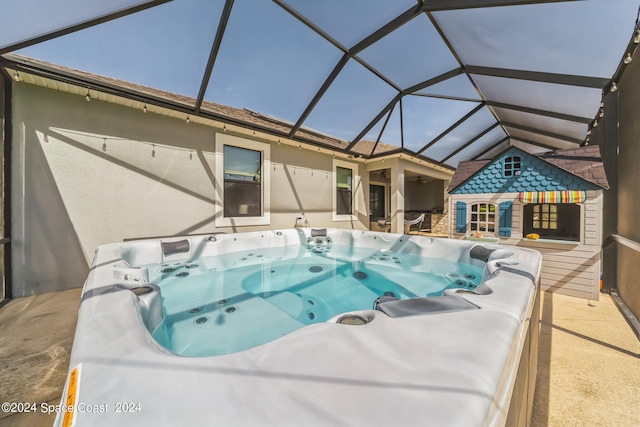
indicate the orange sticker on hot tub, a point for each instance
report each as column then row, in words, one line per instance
column 71, row 397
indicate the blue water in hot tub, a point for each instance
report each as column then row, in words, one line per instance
column 252, row 297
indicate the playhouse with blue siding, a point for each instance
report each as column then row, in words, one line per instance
column 551, row 202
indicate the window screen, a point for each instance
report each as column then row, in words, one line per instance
column 242, row 182
column 344, row 204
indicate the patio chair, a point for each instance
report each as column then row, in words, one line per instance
column 409, row 223
column 384, row 224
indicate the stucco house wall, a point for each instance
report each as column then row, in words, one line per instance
column 89, row 173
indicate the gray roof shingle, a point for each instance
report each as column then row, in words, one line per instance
column 584, row 162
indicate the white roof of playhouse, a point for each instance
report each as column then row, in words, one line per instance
column 444, row 80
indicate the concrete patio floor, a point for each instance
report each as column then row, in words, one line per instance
column 588, row 370
column 588, row 365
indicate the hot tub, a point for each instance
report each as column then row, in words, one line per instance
column 305, row 327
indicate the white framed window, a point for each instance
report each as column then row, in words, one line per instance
column 242, row 182
column 483, row 217
column 345, row 181
column 512, row 166
column 242, row 172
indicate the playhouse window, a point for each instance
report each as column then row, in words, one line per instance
column 558, row 221
column 512, row 166
column 483, row 217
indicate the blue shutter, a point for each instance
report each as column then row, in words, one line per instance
column 505, row 219
column 461, row 217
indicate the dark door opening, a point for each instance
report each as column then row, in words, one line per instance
column 376, row 202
